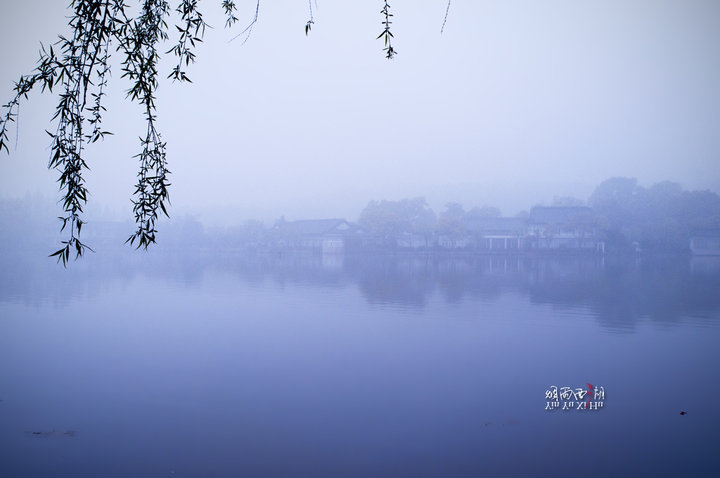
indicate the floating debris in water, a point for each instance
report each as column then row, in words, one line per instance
column 54, row 433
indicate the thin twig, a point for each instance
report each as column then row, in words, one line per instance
column 17, row 125
column 447, row 10
column 248, row 28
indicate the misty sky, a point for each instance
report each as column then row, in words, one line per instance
column 517, row 101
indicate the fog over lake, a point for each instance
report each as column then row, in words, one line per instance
column 497, row 254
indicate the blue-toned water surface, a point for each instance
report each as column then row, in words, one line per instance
column 391, row 365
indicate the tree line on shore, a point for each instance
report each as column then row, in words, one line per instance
column 625, row 216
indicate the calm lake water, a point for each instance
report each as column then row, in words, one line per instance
column 160, row 365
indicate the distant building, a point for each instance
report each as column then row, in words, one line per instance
column 319, row 235
column 546, row 228
column 705, row 242
column 562, row 228
column 496, row 233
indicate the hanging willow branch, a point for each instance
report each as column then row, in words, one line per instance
column 230, row 9
column 191, row 33
column 311, row 21
column 84, row 57
column 386, row 34
column 79, row 65
column 140, row 66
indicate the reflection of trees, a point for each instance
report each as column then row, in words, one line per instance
column 605, row 290
column 408, row 279
column 478, row 277
column 620, row 293
column 405, row 280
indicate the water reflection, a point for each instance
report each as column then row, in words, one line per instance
column 619, row 292
column 383, row 365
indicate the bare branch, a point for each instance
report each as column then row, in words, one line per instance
column 248, row 29
column 447, row 10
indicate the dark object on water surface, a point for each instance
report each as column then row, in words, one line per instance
column 683, row 413
column 55, row 433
